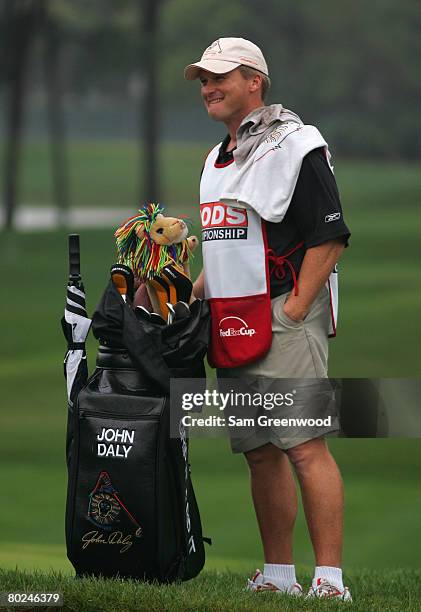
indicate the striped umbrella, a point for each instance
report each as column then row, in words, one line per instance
column 76, row 325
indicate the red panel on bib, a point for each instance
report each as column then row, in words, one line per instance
column 241, row 330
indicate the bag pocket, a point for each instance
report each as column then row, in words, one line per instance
column 113, row 522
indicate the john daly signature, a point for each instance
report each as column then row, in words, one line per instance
column 115, row 537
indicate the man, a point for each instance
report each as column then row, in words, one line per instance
column 272, row 234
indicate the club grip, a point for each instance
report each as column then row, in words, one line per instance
column 74, row 258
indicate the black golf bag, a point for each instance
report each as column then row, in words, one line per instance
column 131, row 509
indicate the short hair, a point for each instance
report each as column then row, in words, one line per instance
column 249, row 73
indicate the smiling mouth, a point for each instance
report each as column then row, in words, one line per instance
column 215, row 101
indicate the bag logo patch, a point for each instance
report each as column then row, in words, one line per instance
column 105, row 506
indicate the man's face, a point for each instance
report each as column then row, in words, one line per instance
column 227, row 97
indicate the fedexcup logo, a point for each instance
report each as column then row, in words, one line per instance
column 230, row 327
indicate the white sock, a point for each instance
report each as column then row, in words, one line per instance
column 284, row 575
column 331, row 574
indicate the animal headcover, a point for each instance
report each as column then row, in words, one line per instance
column 140, row 252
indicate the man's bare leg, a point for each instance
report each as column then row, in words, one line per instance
column 275, row 501
column 322, row 495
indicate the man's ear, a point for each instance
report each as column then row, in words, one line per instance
column 256, row 83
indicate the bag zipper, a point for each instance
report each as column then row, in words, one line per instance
column 118, row 415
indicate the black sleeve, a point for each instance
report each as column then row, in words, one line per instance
column 315, row 206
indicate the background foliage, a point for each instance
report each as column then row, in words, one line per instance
column 352, row 68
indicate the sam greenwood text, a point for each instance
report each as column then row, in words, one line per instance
column 262, row 420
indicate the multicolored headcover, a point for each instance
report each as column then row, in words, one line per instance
column 149, row 241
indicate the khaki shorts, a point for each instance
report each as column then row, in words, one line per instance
column 299, row 350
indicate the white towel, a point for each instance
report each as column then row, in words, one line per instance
column 271, row 144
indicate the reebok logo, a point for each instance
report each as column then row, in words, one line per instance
column 230, row 327
column 332, row 217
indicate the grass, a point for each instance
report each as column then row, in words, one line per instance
column 379, row 301
column 105, row 173
column 382, row 501
column 216, row 591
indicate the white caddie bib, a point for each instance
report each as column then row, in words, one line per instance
column 236, row 268
column 236, row 272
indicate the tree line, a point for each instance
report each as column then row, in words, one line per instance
column 351, row 67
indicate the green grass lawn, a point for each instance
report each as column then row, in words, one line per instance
column 105, row 173
column 378, row 337
column 217, row 591
column 383, row 498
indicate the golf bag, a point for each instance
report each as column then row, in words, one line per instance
column 131, row 509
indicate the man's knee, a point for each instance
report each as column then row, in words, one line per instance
column 263, row 456
column 304, row 454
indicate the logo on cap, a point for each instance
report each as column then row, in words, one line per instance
column 215, row 47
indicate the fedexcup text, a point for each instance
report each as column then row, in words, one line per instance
column 243, row 331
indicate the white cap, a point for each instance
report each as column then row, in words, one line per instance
column 224, row 55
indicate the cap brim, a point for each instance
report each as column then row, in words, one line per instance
column 192, row 71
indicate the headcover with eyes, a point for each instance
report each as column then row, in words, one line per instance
column 149, row 241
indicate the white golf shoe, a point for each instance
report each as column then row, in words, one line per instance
column 322, row 589
column 259, row 584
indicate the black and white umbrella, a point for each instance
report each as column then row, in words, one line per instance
column 76, row 325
